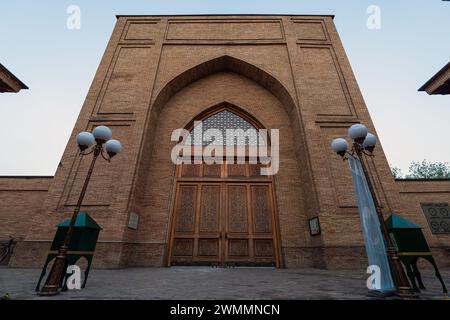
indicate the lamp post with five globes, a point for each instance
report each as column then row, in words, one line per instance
column 364, row 145
column 101, row 137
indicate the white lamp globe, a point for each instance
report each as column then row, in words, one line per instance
column 358, row 132
column 370, row 140
column 102, row 133
column 340, row 146
column 85, row 140
column 113, row 147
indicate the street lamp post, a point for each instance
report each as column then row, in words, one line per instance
column 364, row 145
column 100, row 139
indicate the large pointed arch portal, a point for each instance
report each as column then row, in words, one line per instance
column 220, row 214
column 219, row 64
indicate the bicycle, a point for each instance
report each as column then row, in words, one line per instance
column 7, row 249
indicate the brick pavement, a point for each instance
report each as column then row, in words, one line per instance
column 211, row 283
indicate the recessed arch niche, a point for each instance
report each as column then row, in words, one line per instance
column 217, row 82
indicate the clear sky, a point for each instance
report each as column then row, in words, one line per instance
column 58, row 64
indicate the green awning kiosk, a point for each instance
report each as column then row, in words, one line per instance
column 411, row 245
column 82, row 244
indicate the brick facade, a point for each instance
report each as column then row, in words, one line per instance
column 158, row 73
column 414, row 192
column 21, row 199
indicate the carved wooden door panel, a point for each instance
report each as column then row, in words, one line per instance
column 182, row 244
column 197, row 226
column 208, row 225
column 222, row 216
column 237, row 223
column 262, row 208
column 249, row 235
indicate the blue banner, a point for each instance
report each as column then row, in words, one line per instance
column 370, row 225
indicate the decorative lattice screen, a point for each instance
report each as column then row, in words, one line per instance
column 244, row 132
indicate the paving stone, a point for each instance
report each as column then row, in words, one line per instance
column 202, row 283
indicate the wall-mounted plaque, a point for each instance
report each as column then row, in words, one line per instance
column 133, row 220
column 438, row 216
column 314, row 226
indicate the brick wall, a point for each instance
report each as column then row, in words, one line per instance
column 21, row 199
column 158, row 73
column 415, row 192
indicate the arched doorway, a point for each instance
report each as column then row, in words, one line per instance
column 224, row 213
column 189, row 94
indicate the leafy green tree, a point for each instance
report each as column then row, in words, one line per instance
column 396, row 172
column 428, row 170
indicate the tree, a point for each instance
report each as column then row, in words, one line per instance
column 396, row 172
column 428, row 170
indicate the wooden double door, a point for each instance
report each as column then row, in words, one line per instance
column 223, row 215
